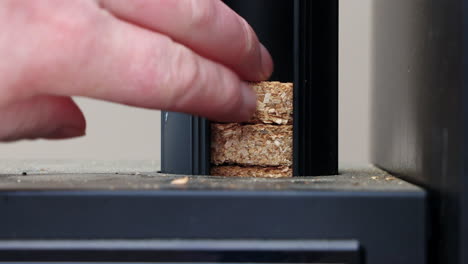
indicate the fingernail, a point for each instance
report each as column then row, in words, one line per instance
column 66, row 132
column 249, row 100
column 267, row 62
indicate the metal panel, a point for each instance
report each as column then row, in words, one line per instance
column 183, row 251
column 387, row 224
column 384, row 214
column 419, row 104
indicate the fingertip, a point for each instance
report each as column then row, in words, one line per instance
column 70, row 121
column 66, row 132
column 249, row 101
column 239, row 107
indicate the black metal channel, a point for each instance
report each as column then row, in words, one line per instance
column 315, row 88
column 185, row 144
column 273, row 24
column 201, row 154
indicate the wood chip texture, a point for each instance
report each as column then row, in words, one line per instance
column 252, row 171
column 261, row 145
column 274, row 103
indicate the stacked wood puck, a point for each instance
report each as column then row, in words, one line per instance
column 262, row 147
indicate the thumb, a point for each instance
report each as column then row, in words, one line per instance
column 50, row 117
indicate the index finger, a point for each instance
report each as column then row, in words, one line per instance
column 208, row 27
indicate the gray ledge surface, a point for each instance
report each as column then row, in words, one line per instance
column 142, row 175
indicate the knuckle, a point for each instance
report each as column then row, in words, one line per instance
column 56, row 34
column 190, row 78
column 77, row 33
column 67, row 32
column 229, row 96
column 73, row 20
column 183, row 78
column 249, row 44
column 201, row 13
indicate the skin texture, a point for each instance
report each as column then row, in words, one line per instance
column 186, row 55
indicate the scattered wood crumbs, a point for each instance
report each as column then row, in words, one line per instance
column 180, row 181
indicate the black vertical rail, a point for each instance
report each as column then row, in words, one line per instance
column 315, row 88
column 273, row 24
column 201, row 157
column 185, row 144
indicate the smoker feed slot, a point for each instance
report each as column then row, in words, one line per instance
column 305, row 50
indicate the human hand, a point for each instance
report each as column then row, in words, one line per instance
column 176, row 55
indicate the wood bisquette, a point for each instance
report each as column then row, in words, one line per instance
column 274, row 103
column 262, row 147
column 252, row 171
